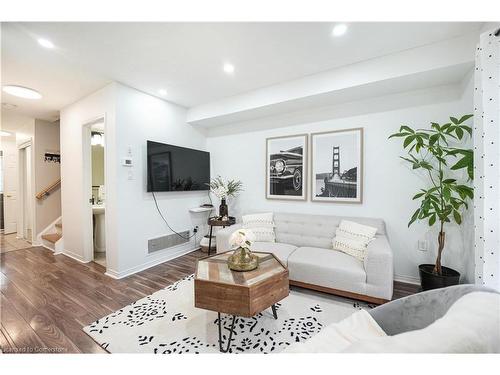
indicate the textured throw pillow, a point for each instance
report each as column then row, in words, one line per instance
column 262, row 226
column 353, row 238
column 355, row 231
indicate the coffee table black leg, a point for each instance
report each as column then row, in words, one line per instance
column 210, row 240
column 222, row 350
column 275, row 314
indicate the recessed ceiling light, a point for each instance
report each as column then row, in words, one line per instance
column 22, row 92
column 46, row 43
column 339, row 29
column 162, row 92
column 5, row 134
column 228, row 68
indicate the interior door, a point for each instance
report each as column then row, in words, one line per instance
column 9, row 187
column 28, row 194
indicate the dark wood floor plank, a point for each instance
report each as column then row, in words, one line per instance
column 6, row 343
column 44, row 326
column 21, row 333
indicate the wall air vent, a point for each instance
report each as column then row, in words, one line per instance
column 164, row 242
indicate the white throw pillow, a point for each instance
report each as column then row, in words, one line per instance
column 353, row 238
column 356, row 231
column 262, row 226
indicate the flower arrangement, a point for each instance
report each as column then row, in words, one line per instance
column 223, row 189
column 242, row 258
column 242, row 238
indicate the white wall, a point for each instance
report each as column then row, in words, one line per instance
column 141, row 117
column 388, row 182
column 73, row 202
column 46, row 139
column 132, row 118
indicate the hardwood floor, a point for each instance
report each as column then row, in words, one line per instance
column 9, row 242
column 46, row 299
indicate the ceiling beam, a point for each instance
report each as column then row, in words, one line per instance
column 442, row 63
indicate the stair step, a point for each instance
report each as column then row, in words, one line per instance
column 52, row 237
column 59, row 225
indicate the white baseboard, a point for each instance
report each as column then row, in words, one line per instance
column 407, row 279
column 48, row 248
column 73, row 256
column 148, row 264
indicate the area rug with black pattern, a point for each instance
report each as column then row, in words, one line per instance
column 166, row 322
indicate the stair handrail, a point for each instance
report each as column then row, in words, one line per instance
column 45, row 192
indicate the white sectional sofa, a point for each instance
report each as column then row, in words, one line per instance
column 304, row 244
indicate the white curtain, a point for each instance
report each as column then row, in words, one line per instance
column 487, row 160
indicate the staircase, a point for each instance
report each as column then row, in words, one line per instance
column 51, row 237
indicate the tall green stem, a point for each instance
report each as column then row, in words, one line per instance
column 441, row 235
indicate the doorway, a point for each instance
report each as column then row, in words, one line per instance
column 26, row 192
column 94, row 149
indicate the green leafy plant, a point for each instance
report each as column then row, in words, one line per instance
column 224, row 189
column 436, row 152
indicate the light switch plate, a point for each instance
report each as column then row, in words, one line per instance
column 423, row 245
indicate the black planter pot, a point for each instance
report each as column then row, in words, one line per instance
column 429, row 280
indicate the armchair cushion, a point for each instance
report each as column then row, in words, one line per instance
column 471, row 325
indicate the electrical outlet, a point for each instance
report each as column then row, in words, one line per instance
column 195, row 230
column 423, row 245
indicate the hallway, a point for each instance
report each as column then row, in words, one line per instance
column 9, row 242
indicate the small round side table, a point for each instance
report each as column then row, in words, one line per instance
column 214, row 221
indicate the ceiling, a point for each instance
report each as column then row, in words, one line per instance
column 186, row 58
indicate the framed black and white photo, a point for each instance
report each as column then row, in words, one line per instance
column 337, row 166
column 286, row 167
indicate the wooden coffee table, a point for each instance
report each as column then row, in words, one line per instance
column 245, row 294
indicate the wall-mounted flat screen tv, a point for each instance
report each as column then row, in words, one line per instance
column 174, row 168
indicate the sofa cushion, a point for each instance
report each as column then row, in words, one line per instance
column 328, row 268
column 280, row 250
column 314, row 230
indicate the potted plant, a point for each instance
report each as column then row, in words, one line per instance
column 224, row 189
column 436, row 151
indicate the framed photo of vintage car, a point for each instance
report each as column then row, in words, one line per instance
column 286, row 167
column 337, row 166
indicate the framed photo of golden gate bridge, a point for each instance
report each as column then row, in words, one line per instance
column 337, row 166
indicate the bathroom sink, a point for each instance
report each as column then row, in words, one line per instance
column 98, row 209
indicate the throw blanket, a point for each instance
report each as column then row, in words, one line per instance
column 471, row 325
column 338, row 336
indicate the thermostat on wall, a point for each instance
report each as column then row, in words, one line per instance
column 127, row 162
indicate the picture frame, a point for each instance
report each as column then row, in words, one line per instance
column 337, row 166
column 287, row 167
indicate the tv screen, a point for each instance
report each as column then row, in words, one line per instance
column 174, row 168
